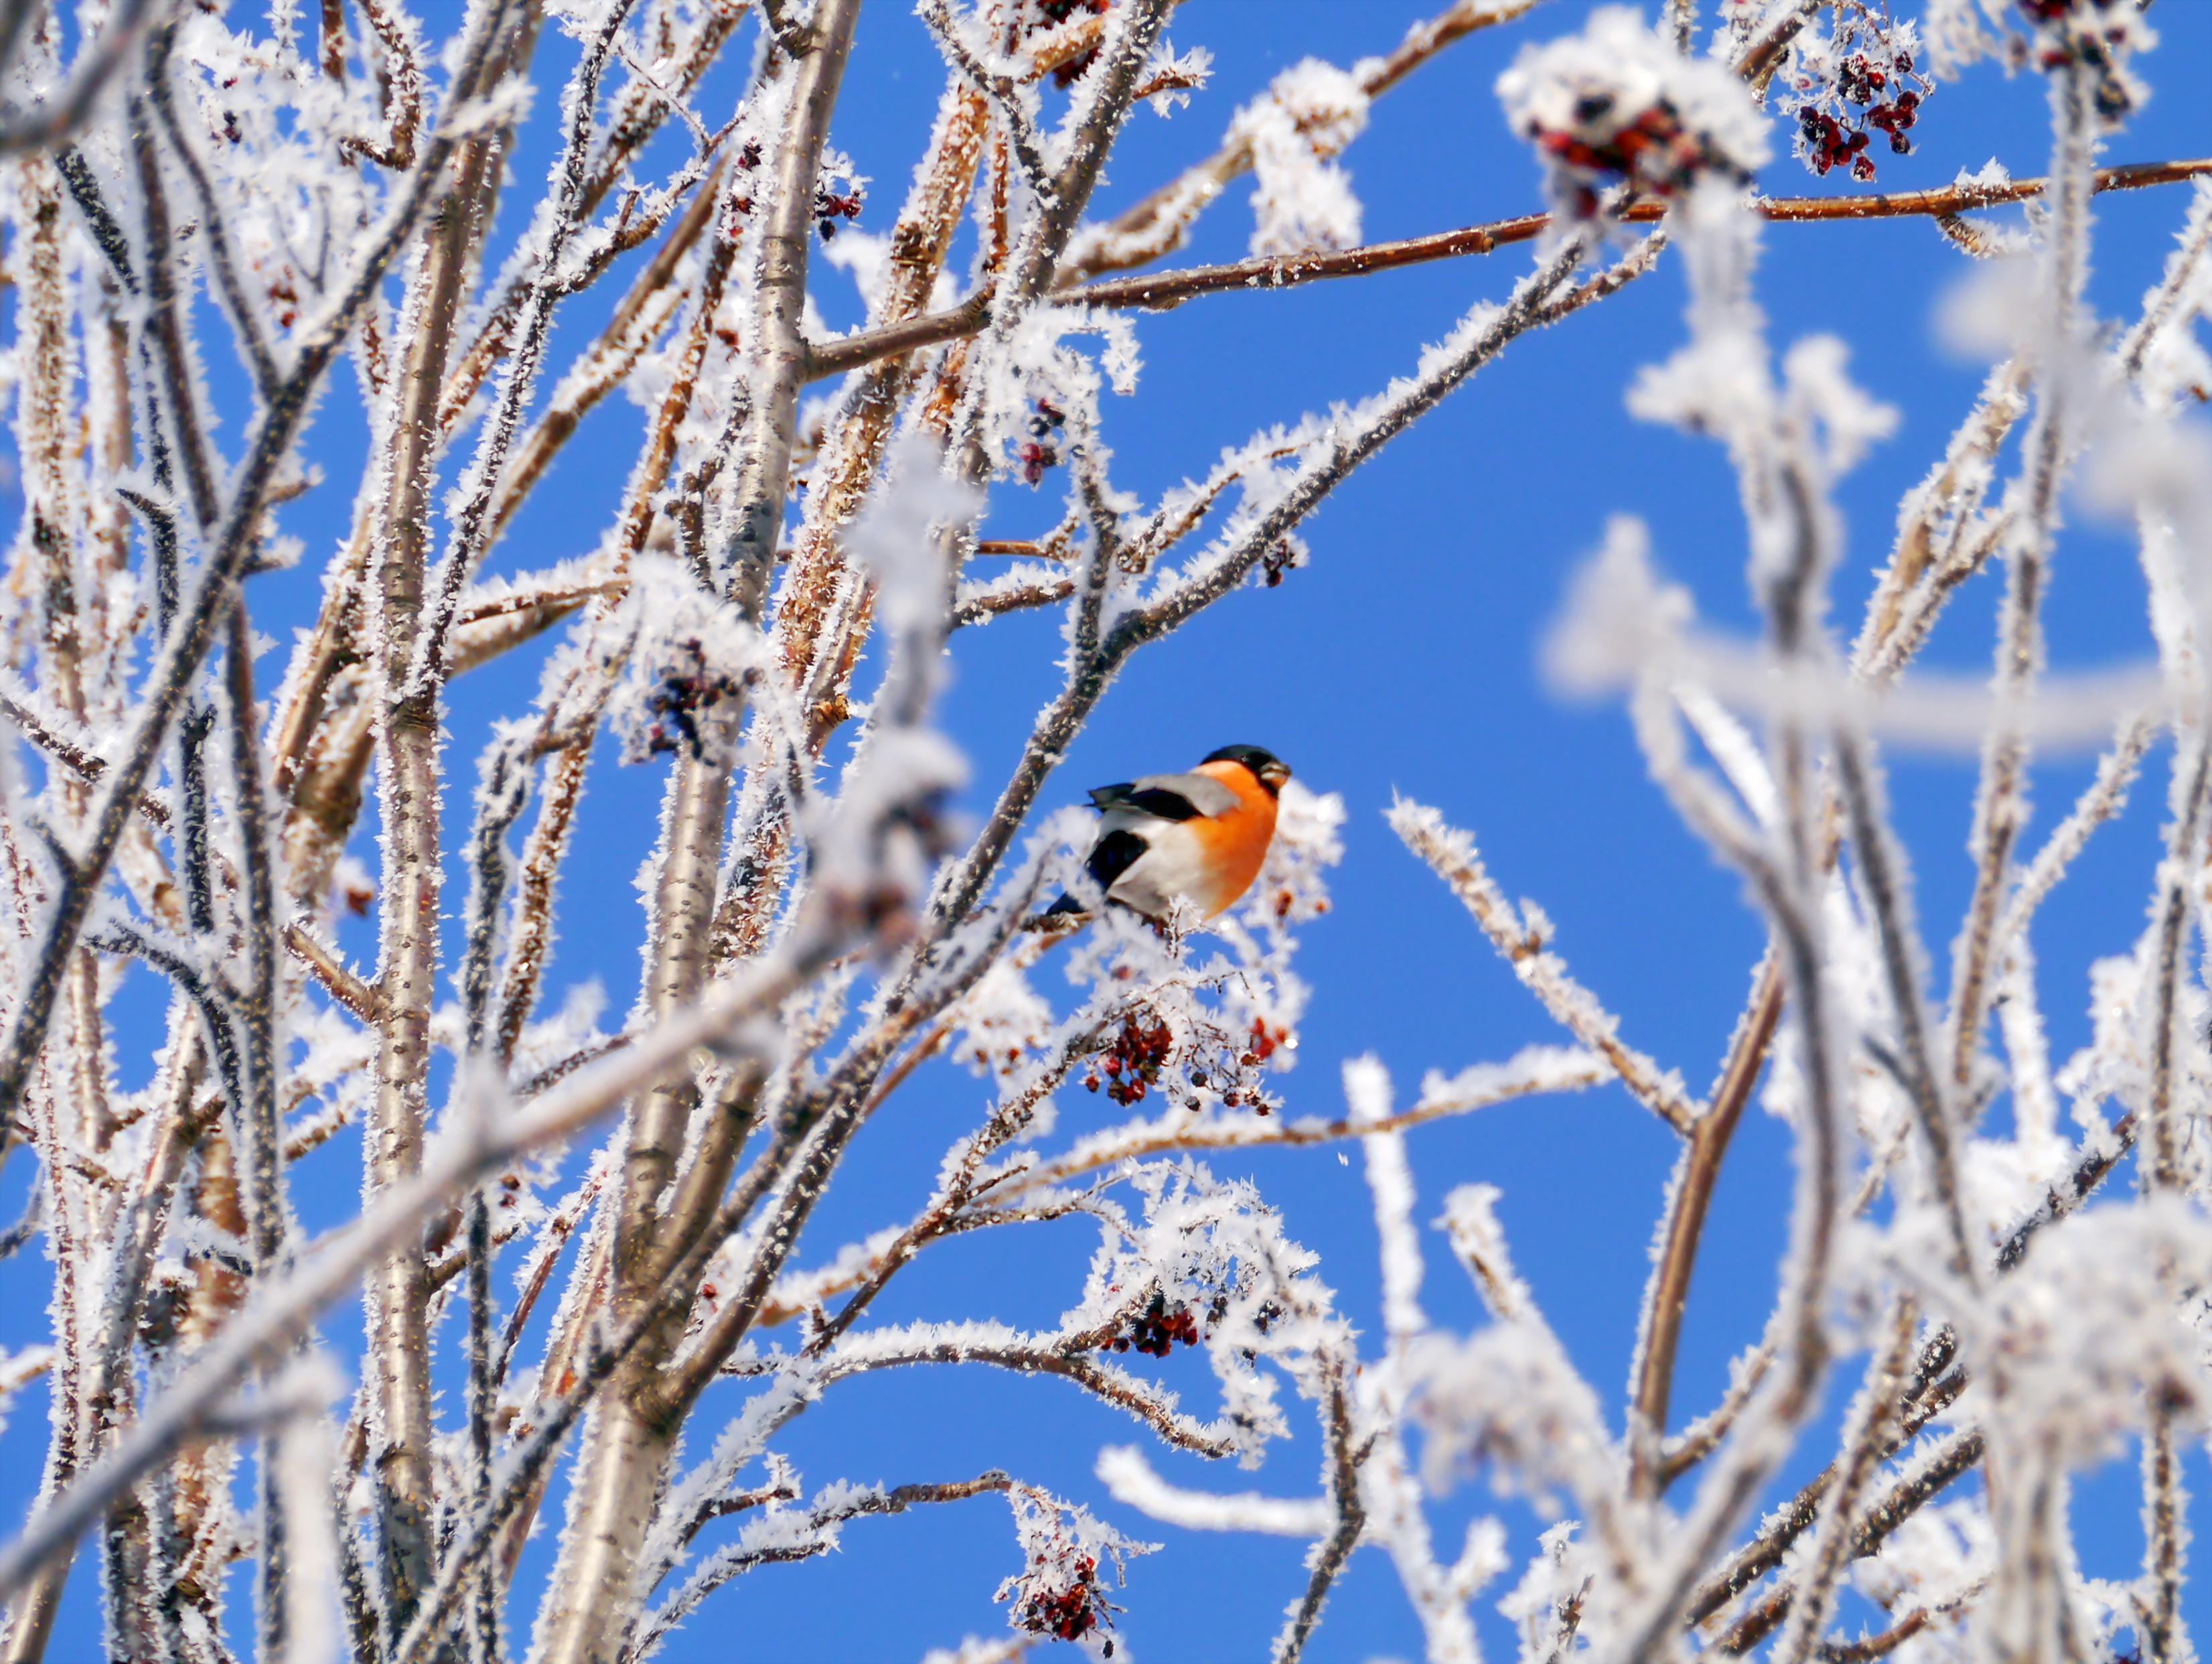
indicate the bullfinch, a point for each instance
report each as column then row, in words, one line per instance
column 1198, row 837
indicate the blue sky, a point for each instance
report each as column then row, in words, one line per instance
column 1402, row 659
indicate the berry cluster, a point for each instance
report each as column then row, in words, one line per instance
column 1155, row 1331
column 748, row 158
column 1653, row 150
column 285, row 298
column 1262, row 1044
column 1130, row 1066
column 2095, row 33
column 1860, row 83
column 1617, row 106
column 1826, row 143
column 830, row 206
column 1259, row 1043
column 1066, row 1613
column 1053, row 14
column 1132, row 1060
column 682, row 697
column 1005, row 1064
column 1041, row 449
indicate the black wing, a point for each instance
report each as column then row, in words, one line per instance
column 1109, row 857
column 1160, row 803
column 1114, row 855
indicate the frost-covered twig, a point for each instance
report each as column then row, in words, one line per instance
column 2178, row 881
column 46, row 732
column 51, row 123
column 216, row 217
column 1330, row 1555
column 1703, row 1436
column 2101, row 1152
column 1171, row 288
column 2000, row 806
column 1927, row 1477
column 471, row 517
column 781, row 1538
column 1533, row 1070
column 1069, row 1359
column 2100, row 800
column 233, row 542
column 405, row 736
column 329, row 1268
column 1888, row 896
column 1160, row 223
column 2168, row 305
column 1828, row 1554
column 1922, row 575
column 1873, row 1647
column 1014, row 119
column 638, row 318
column 344, row 984
column 2166, row 1530
column 1526, row 945
column 1934, row 1386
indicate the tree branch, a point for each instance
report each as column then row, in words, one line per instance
column 1171, row 288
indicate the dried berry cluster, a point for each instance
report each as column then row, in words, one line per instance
column 1004, row 1063
column 1860, row 83
column 1261, row 1047
column 1258, row 1044
column 748, row 158
column 1041, row 449
column 284, row 300
column 683, row 695
column 1155, row 1331
column 1069, row 1612
column 2097, row 34
column 1653, row 150
column 830, row 206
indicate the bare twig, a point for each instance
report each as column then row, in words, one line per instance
column 1694, row 1191
column 1171, row 288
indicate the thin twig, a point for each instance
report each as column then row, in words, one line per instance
column 1171, row 288
column 1526, row 945
column 1693, row 1193
column 1331, row 1555
column 235, row 539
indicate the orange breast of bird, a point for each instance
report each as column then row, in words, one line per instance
column 1235, row 843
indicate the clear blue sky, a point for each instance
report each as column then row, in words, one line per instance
column 1402, row 659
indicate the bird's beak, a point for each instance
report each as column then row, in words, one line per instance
column 1274, row 774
